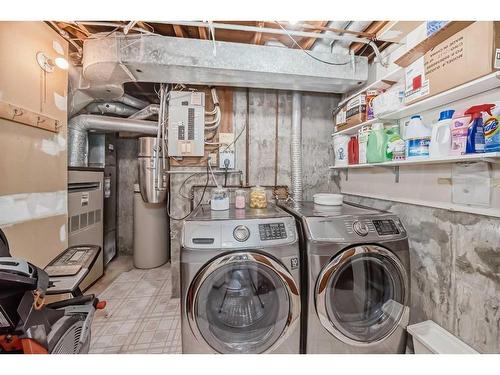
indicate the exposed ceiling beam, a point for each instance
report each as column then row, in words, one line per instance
column 257, row 38
column 374, row 28
column 269, row 30
column 308, row 43
column 203, row 33
column 326, row 28
column 179, row 31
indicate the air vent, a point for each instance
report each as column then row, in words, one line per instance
column 75, row 223
column 83, row 220
column 91, row 217
column 97, row 217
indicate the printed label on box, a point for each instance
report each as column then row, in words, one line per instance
column 497, row 59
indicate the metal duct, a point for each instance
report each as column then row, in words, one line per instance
column 119, row 109
column 296, row 146
column 117, row 59
column 132, row 102
column 78, row 127
column 147, row 112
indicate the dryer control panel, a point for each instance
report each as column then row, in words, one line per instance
column 356, row 228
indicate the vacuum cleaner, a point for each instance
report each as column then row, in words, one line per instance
column 30, row 326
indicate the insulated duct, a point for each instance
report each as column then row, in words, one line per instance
column 147, row 112
column 119, row 109
column 79, row 126
column 296, row 146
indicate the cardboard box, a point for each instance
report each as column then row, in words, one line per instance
column 356, row 110
column 469, row 54
column 340, row 118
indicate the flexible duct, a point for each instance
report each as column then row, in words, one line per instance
column 79, row 126
column 132, row 102
column 296, row 146
column 147, row 112
column 119, row 109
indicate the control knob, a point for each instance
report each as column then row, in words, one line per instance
column 360, row 228
column 241, row 233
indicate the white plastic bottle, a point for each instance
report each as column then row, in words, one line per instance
column 440, row 144
column 417, row 139
column 340, row 142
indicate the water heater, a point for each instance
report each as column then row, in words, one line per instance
column 186, row 123
column 153, row 179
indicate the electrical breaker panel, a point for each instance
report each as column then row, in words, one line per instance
column 186, row 123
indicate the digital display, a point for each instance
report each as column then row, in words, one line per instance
column 385, row 227
column 272, row 231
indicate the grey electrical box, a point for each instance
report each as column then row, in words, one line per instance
column 186, row 123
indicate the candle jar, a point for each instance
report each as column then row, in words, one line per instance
column 239, row 199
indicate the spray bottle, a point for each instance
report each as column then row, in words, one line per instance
column 475, row 133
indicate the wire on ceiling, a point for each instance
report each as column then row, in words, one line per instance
column 307, row 52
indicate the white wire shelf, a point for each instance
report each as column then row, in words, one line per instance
column 478, row 86
column 493, row 157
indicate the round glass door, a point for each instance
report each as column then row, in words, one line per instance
column 360, row 295
column 243, row 303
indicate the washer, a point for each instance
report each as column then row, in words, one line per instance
column 355, row 281
column 240, row 277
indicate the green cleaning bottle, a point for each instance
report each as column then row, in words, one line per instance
column 377, row 144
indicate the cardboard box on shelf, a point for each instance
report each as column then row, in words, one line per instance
column 370, row 95
column 356, row 110
column 469, row 54
column 340, row 119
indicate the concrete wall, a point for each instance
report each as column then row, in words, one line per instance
column 455, row 270
column 33, row 161
column 316, row 135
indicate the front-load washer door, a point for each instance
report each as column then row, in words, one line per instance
column 243, row 302
column 361, row 294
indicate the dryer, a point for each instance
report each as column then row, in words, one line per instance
column 356, row 287
column 240, row 278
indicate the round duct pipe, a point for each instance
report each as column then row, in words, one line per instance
column 296, row 146
column 78, row 127
column 119, row 109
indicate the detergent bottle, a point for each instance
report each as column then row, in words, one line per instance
column 417, row 139
column 492, row 130
column 475, row 133
column 375, row 149
column 440, row 144
column 395, row 146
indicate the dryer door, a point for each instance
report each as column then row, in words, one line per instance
column 361, row 294
column 243, row 302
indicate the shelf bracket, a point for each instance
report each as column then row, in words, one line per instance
column 491, row 160
column 346, row 170
column 393, row 168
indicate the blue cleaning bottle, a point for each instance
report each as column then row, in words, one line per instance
column 475, row 133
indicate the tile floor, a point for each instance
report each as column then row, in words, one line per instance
column 140, row 316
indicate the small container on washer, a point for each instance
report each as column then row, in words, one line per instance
column 239, row 199
column 220, row 199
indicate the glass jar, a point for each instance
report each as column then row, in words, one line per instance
column 220, row 199
column 258, row 198
column 239, row 199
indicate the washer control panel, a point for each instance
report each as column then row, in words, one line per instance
column 272, row 231
column 235, row 234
